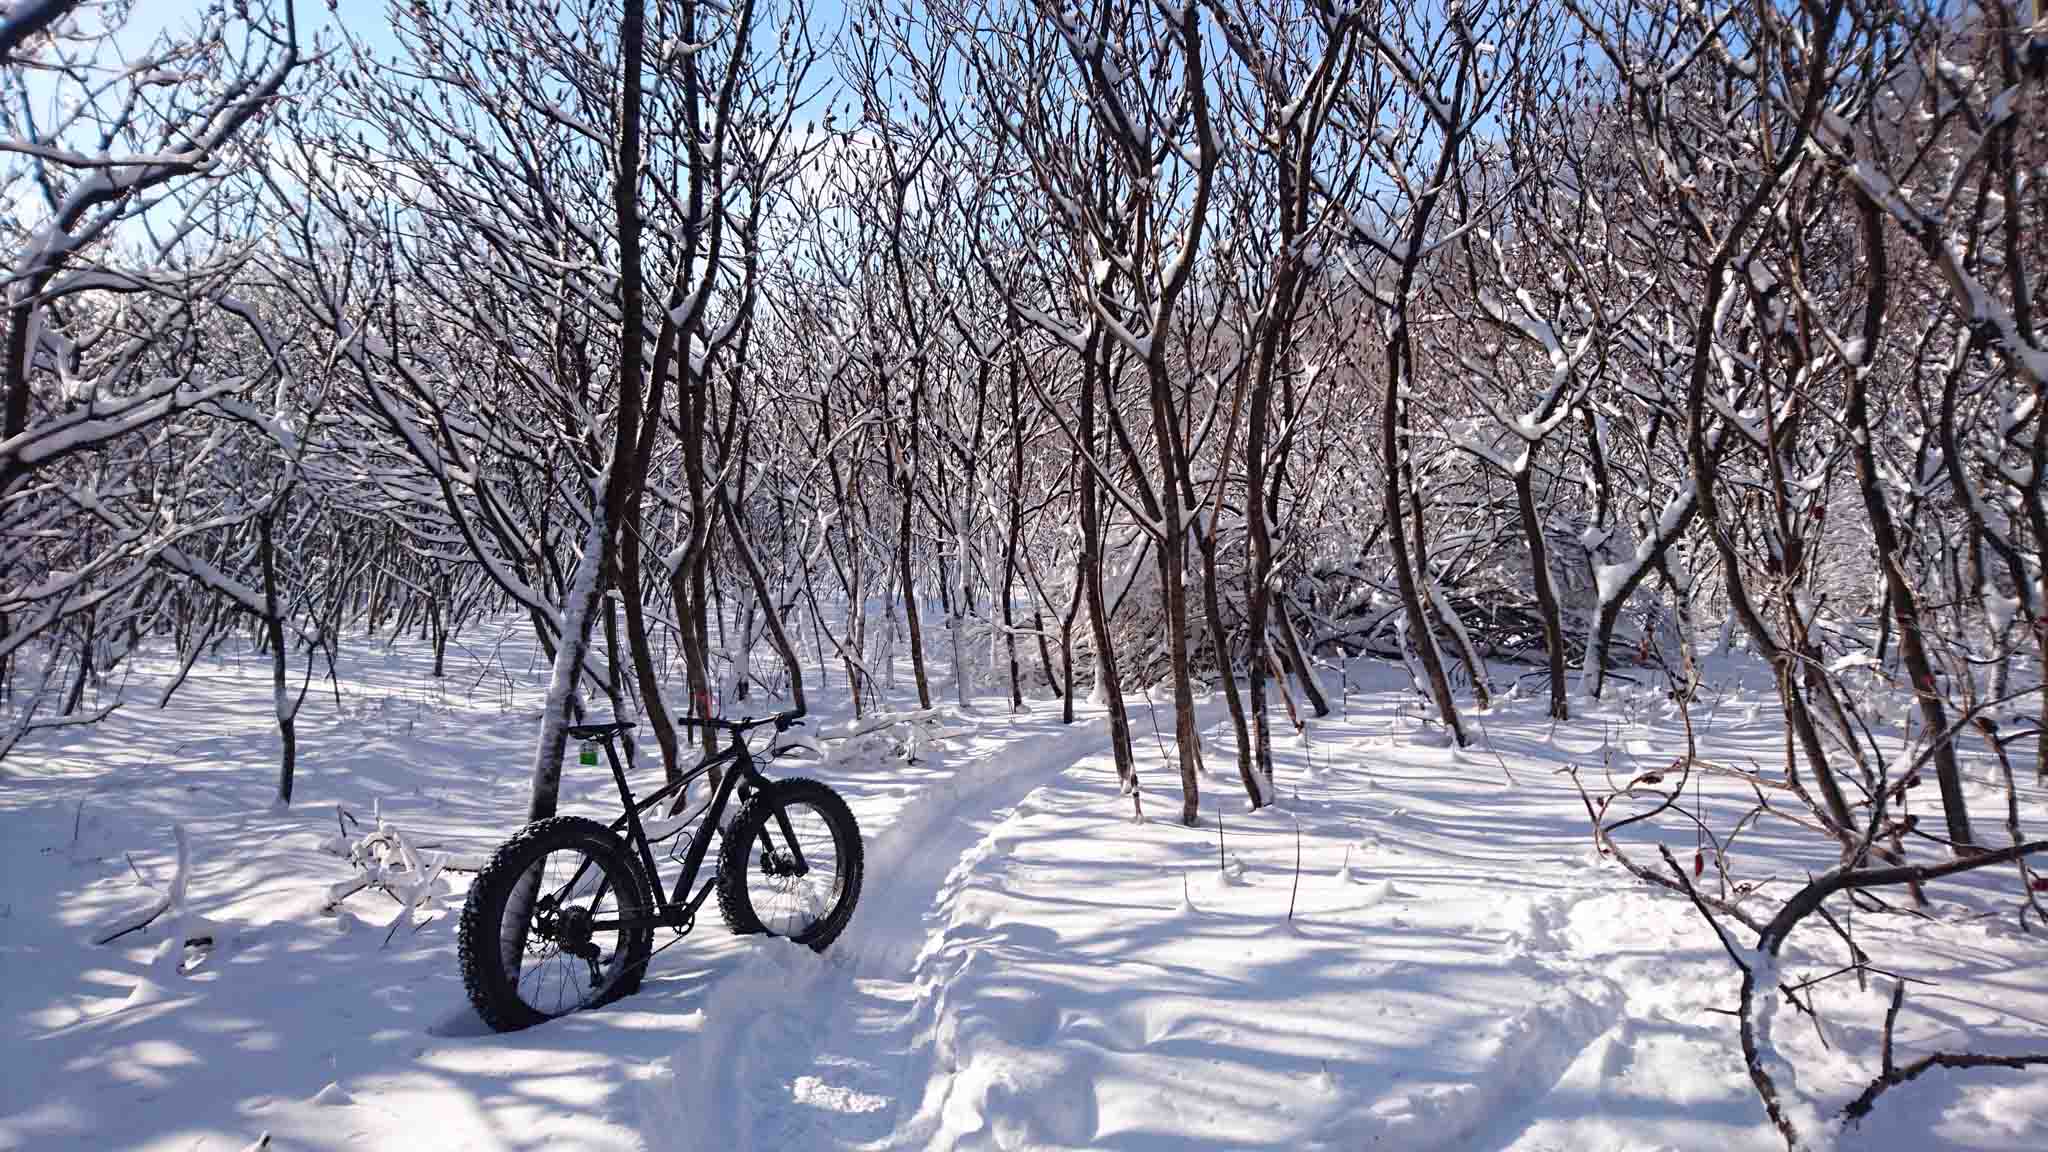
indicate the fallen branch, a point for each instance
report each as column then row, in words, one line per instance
column 1892, row 1077
column 390, row 864
column 1807, row 899
column 424, row 890
column 1759, row 969
column 171, row 898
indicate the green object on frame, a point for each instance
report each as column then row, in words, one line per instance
column 589, row 753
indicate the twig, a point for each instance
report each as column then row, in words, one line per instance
column 1297, row 870
column 1893, row 1076
column 1759, row 1076
column 1494, row 752
column 1608, row 847
column 1891, row 1020
column 171, row 899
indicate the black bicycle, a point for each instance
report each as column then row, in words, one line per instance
column 564, row 915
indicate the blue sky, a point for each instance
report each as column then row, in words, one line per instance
column 364, row 18
column 367, row 20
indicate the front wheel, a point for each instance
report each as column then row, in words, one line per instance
column 791, row 864
column 556, row 921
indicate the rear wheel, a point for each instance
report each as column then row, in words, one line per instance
column 791, row 864
column 541, row 934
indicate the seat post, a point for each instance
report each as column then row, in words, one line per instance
column 618, row 772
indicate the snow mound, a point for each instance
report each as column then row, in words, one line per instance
column 1011, row 1095
column 332, row 1096
column 1525, row 1055
column 145, row 992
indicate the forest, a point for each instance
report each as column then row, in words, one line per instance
column 1098, row 362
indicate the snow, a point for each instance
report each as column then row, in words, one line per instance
column 1998, row 609
column 1950, row 70
column 1610, row 579
column 332, row 1096
column 1027, row 967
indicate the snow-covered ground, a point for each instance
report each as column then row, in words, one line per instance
column 1028, row 967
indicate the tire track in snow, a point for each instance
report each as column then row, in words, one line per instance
column 794, row 1047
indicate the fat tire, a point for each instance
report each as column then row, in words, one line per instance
column 736, row 856
column 494, row 992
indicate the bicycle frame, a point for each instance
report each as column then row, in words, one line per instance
column 678, row 909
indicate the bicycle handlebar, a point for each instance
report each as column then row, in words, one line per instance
column 783, row 721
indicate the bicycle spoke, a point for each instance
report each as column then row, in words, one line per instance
column 796, row 880
column 562, row 958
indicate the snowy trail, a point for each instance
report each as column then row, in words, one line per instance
column 813, row 1051
column 923, row 1030
column 1028, row 967
column 296, row 1001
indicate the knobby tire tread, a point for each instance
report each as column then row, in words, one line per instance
column 735, row 857
column 491, row 992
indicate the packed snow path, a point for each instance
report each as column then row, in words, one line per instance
column 1072, row 991
column 310, row 1025
column 1460, row 971
column 1027, row 967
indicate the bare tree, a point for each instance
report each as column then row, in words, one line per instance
column 123, row 169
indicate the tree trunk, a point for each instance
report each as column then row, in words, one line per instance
column 437, row 620
column 1173, row 565
column 1258, row 781
column 963, row 604
column 273, row 631
column 1067, row 637
column 76, row 694
column 1108, row 683
column 1890, row 556
column 1546, row 594
column 1012, row 535
column 904, row 578
column 1055, row 680
column 1393, row 447
column 579, row 602
column 1304, row 672
column 652, row 708
column 1258, row 777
